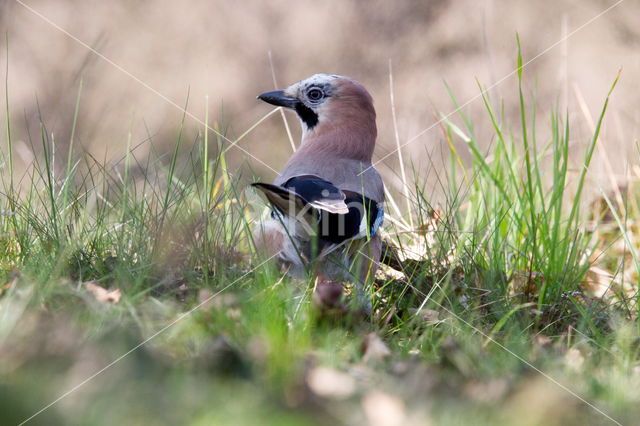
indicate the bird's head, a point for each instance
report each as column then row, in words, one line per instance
column 326, row 102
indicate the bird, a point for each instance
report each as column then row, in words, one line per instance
column 327, row 204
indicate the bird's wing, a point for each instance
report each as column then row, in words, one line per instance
column 299, row 194
column 319, row 193
column 344, row 174
column 338, row 217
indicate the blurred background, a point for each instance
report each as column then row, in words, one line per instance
column 171, row 54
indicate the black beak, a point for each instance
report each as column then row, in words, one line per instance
column 278, row 98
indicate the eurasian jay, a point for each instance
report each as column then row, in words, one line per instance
column 327, row 201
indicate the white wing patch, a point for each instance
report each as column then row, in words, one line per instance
column 331, row 206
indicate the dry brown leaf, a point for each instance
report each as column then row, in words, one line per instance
column 602, row 284
column 374, row 348
column 597, row 282
column 330, row 383
column 9, row 284
column 383, row 409
column 526, row 283
column 431, row 223
column 103, row 295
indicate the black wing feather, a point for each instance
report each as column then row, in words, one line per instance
column 332, row 227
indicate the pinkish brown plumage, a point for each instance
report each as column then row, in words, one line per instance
column 347, row 125
column 328, row 191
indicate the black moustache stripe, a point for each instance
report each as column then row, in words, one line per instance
column 307, row 115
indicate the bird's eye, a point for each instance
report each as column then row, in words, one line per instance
column 315, row 94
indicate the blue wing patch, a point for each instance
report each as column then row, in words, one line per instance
column 378, row 221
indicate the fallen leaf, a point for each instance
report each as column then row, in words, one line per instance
column 330, row 383
column 10, row 284
column 430, row 316
column 574, row 359
column 543, row 340
column 374, row 348
column 383, row 409
column 490, row 391
column 598, row 282
column 526, row 283
column 103, row 295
